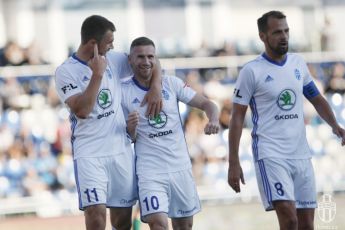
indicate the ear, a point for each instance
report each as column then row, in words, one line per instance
column 91, row 42
column 262, row 36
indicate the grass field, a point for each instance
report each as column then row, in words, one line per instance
column 216, row 216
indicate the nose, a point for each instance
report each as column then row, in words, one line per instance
column 146, row 61
column 285, row 35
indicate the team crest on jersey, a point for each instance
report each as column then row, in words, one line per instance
column 158, row 121
column 104, row 98
column 286, row 99
column 165, row 94
column 297, row 74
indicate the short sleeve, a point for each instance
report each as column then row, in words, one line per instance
column 307, row 78
column 66, row 86
column 184, row 93
column 120, row 63
column 244, row 87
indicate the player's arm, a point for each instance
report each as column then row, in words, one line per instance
column 235, row 173
column 322, row 107
column 211, row 110
column 132, row 123
column 324, row 110
column 82, row 104
column 153, row 97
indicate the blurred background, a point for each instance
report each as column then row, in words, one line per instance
column 205, row 43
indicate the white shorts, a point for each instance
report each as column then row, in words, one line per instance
column 286, row 179
column 106, row 180
column 172, row 193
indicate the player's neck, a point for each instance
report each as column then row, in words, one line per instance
column 83, row 54
column 142, row 82
column 275, row 57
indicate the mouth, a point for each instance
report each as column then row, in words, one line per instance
column 145, row 68
column 283, row 43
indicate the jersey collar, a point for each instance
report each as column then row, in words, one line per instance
column 74, row 55
column 138, row 84
column 281, row 63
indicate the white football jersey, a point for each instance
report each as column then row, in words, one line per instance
column 103, row 132
column 274, row 92
column 160, row 145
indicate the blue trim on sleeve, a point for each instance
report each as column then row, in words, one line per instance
column 310, row 90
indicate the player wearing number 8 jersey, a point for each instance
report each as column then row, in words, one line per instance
column 163, row 167
column 273, row 86
column 88, row 82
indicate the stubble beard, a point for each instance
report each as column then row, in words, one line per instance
column 279, row 51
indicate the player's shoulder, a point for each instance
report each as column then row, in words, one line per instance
column 295, row 57
column 127, row 82
column 111, row 54
column 169, row 80
column 67, row 66
column 253, row 63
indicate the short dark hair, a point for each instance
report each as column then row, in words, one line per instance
column 95, row 27
column 142, row 41
column 262, row 21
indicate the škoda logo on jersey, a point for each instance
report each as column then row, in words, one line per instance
column 159, row 121
column 286, row 99
column 104, row 98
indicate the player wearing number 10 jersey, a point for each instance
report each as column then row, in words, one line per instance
column 163, row 167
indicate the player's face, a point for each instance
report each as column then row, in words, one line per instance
column 106, row 43
column 143, row 60
column 276, row 38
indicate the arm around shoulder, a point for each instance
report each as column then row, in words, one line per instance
column 211, row 110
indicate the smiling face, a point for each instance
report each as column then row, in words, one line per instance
column 142, row 60
column 276, row 38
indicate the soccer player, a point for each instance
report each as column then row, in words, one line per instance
column 89, row 83
column 273, row 85
column 165, row 181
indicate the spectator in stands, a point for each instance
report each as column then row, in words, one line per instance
column 12, row 55
column 336, row 82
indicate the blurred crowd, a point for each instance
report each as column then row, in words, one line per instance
column 35, row 149
column 14, row 55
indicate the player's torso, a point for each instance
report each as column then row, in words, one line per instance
column 160, row 143
column 277, row 109
column 105, row 125
column 278, row 90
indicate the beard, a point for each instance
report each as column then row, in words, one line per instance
column 279, row 50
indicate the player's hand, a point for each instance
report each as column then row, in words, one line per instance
column 340, row 132
column 235, row 175
column 153, row 99
column 97, row 63
column 132, row 123
column 212, row 127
